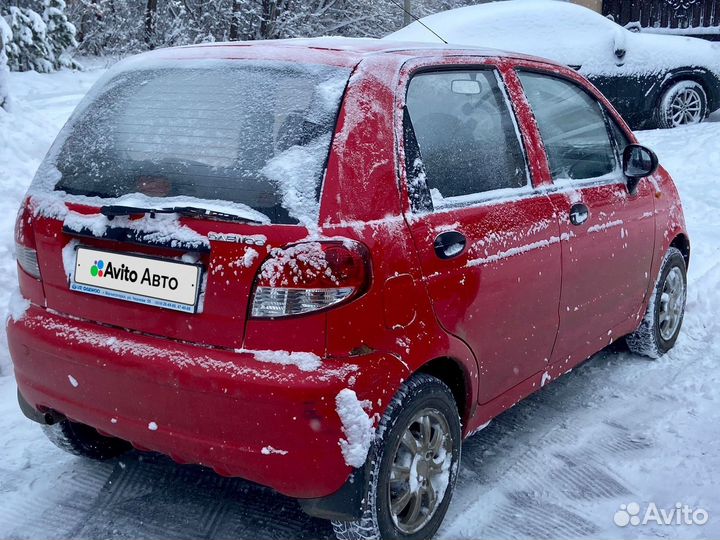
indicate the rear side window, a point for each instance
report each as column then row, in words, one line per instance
column 465, row 132
column 253, row 133
column 573, row 127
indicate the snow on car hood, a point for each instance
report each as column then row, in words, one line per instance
column 563, row 32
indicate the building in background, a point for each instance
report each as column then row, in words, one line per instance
column 595, row 5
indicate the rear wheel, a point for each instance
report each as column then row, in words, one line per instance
column 412, row 465
column 683, row 103
column 661, row 326
column 84, row 441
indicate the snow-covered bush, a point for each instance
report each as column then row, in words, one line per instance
column 29, row 48
column 5, row 38
column 60, row 33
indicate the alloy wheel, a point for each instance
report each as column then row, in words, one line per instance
column 420, row 471
column 672, row 303
column 686, row 108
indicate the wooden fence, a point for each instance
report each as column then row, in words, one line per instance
column 700, row 18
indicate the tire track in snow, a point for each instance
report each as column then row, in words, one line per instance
column 150, row 496
column 57, row 508
column 533, row 490
column 571, row 473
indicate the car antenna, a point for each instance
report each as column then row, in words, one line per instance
column 418, row 20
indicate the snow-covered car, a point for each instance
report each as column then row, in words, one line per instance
column 319, row 265
column 652, row 80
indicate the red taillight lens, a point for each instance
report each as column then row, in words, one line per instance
column 309, row 277
column 25, row 242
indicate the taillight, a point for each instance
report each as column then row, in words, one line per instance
column 25, row 242
column 27, row 259
column 309, row 277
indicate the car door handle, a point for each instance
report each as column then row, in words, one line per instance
column 449, row 244
column 579, row 214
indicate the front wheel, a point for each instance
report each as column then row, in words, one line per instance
column 412, row 465
column 683, row 103
column 661, row 325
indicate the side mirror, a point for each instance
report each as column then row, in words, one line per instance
column 638, row 162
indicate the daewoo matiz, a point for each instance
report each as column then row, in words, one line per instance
column 318, row 265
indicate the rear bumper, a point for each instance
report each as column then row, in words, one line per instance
column 272, row 424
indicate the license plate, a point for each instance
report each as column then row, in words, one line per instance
column 145, row 280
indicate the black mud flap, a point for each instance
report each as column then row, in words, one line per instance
column 343, row 505
column 28, row 410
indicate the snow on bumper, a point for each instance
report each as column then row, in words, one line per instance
column 219, row 408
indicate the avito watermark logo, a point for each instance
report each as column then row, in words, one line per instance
column 124, row 273
column 680, row 514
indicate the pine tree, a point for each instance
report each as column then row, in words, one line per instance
column 29, row 48
column 60, row 34
column 5, row 39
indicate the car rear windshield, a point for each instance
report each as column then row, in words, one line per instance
column 247, row 132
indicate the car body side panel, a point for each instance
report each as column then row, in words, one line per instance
column 362, row 158
column 614, row 246
column 606, row 265
column 669, row 220
column 480, row 295
column 362, row 199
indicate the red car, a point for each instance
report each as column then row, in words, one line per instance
column 319, row 265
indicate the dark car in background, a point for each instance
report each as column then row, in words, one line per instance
column 652, row 80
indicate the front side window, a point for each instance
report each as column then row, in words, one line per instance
column 465, row 132
column 572, row 125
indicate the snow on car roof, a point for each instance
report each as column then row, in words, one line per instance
column 339, row 51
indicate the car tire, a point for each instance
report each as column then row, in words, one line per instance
column 423, row 413
column 84, row 441
column 683, row 103
column 662, row 322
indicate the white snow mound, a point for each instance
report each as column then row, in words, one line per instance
column 358, row 427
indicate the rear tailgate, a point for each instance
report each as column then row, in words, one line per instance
column 247, row 139
column 228, row 260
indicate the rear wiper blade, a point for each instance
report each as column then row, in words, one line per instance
column 192, row 211
column 118, row 210
column 188, row 211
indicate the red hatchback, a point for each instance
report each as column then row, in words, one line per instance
column 318, row 265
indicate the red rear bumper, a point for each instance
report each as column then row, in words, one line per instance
column 272, row 424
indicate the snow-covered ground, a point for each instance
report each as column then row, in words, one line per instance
column 620, row 429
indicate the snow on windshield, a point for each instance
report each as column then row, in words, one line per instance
column 249, row 137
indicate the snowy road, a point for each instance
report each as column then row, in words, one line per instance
column 619, row 429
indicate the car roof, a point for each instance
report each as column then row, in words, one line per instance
column 343, row 51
